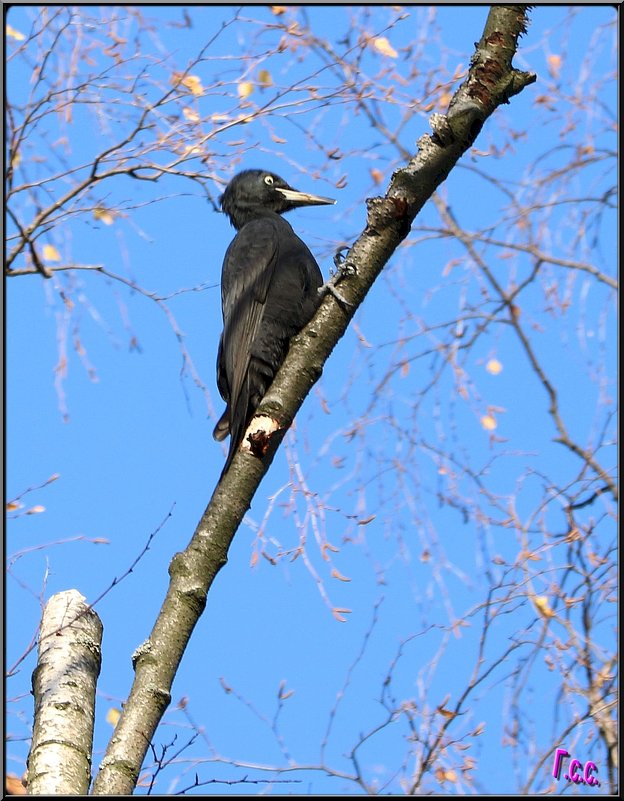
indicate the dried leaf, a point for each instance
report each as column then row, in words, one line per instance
column 382, row 45
column 278, row 10
column 327, row 546
column 296, row 554
column 335, row 574
column 264, row 78
column 13, row 505
column 377, row 175
column 366, row 520
column 494, row 366
column 113, row 715
column 192, row 150
column 479, row 730
column 443, row 775
column 282, row 693
column 35, row 510
column 104, row 215
column 190, row 114
column 13, row 34
column 192, row 82
column 488, row 422
column 245, row 88
column 554, row 65
column 50, row 253
column 540, row 602
column 337, row 613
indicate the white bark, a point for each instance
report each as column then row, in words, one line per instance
column 64, row 684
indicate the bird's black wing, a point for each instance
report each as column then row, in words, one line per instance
column 248, row 269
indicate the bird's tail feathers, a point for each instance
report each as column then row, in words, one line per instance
column 241, row 409
column 222, row 429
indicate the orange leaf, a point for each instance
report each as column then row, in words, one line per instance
column 327, row 546
column 494, row 366
column 488, row 422
column 554, row 65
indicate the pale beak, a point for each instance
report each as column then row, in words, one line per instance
column 304, row 198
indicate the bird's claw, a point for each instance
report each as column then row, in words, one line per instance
column 344, row 267
column 339, row 258
column 331, row 289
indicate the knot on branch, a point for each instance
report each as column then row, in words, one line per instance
column 388, row 212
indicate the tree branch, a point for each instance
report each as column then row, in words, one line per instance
column 64, row 684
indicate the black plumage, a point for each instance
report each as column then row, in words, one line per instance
column 269, row 291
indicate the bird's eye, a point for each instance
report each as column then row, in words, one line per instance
column 268, row 179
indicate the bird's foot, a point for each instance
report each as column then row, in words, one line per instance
column 330, row 288
column 344, row 269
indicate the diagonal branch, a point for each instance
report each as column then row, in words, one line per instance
column 491, row 82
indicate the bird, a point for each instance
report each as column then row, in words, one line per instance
column 270, row 284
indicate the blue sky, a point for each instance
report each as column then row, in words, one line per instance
column 128, row 430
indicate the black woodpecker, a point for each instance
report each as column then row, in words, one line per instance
column 269, row 292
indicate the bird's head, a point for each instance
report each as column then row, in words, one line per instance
column 254, row 192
